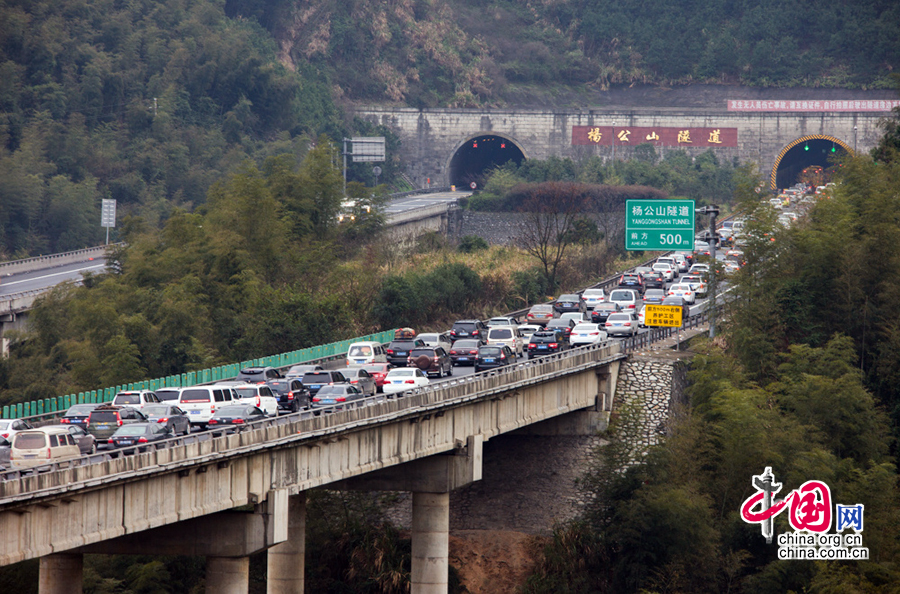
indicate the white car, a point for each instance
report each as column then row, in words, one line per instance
column 626, row 299
column 502, row 321
column 135, row 399
column 527, row 330
column 401, row 379
column 667, row 270
column 9, row 427
column 259, row 395
column 683, row 290
column 508, row 335
column 587, row 333
column 681, row 261
column 592, row 297
column 697, row 283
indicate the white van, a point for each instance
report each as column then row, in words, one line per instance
column 135, row 398
column 368, row 351
column 37, row 447
column 508, row 335
column 201, row 402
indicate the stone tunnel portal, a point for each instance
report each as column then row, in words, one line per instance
column 476, row 156
column 804, row 152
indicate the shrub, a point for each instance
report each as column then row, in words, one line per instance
column 472, row 243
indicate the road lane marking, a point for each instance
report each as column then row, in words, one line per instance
column 28, row 280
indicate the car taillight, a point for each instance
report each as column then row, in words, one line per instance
column 340, row 399
column 390, row 351
column 48, row 453
column 452, row 352
column 290, row 395
column 474, row 352
column 64, row 421
column 213, row 422
column 594, row 334
column 163, row 420
column 315, row 398
column 608, row 324
column 357, row 381
column 118, row 421
column 237, row 421
column 554, row 345
column 531, row 315
column 437, row 359
column 627, row 324
column 474, row 332
column 110, row 440
column 212, row 408
column 531, row 346
column 142, row 440
column 503, row 356
column 409, row 382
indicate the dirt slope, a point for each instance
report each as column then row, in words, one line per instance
column 493, row 561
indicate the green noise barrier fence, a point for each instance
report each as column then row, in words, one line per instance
column 184, row 380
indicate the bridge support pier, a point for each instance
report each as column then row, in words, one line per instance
column 287, row 561
column 61, row 573
column 227, row 575
column 430, row 543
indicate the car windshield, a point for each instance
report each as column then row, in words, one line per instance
column 246, row 392
column 316, row 378
column 465, row 344
column 155, row 410
column 402, row 372
column 104, row 416
column 195, row 396
column 130, row 430
column 333, row 390
column 230, row 411
column 585, row 328
column 430, row 337
column 167, row 394
column 5, row 424
column 606, row 307
column 490, row 351
column 429, row 352
column 593, row 293
column 360, row 351
column 543, row 336
column 128, row 399
column 500, row 333
column 403, row 345
column 622, row 296
column 567, row 298
column 619, row 318
column 542, row 308
column 78, row 409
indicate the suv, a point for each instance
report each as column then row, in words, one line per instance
column 200, row 402
column 632, row 281
column 107, row 418
column 258, row 375
column 569, row 302
column 508, row 335
column 314, row 380
column 546, row 342
column 398, row 351
column 135, row 398
column 468, row 329
column 431, row 360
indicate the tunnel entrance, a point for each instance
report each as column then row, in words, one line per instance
column 480, row 154
column 804, row 153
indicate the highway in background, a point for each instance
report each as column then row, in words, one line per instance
column 42, row 280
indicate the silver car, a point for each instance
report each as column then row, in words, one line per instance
column 621, row 324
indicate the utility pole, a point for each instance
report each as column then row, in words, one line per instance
column 712, row 210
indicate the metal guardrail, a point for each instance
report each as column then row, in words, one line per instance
column 51, row 260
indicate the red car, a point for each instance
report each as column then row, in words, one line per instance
column 378, row 371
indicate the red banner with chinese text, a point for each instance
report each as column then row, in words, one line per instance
column 659, row 136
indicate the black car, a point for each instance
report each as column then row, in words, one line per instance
column 107, row 419
column 654, row 280
column 564, row 325
column 546, row 342
column 632, row 281
column 235, row 415
column 570, row 302
column 258, row 375
column 175, row 419
column 464, row 351
column 77, row 414
column 434, row 361
column 138, row 434
column 468, row 329
column 336, row 395
column 316, row 380
column 602, row 311
column 398, row 350
column 291, row 393
column 492, row 356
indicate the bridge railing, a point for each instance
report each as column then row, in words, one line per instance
column 46, row 408
column 51, row 260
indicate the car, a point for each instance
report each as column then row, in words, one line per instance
column 735, row 256
column 201, row 402
column 299, row 370
column 602, row 311
column 106, row 419
column 367, row 351
column 697, row 284
column 502, row 321
column 641, row 316
column 577, row 317
column 667, row 271
column 5, row 447
column 468, row 329
column 679, row 301
column 77, row 414
column 626, row 298
column 699, row 268
column 776, row 203
column 441, row 339
column 493, row 356
column 362, row 379
column 569, row 302
column 463, row 352
column 329, row 396
column 168, row 395
column 546, row 342
column 527, row 330
column 592, row 297
column 587, row 333
column 36, row 447
column 176, row 420
column 398, row 351
column 655, row 296
column 540, row 313
column 670, row 260
column 632, row 281
column 236, row 415
column 135, row 398
column 681, row 261
column 402, row 379
column 510, row 336
column 683, row 290
column 564, row 325
column 432, row 360
column 378, row 371
column 87, row 443
column 702, row 247
column 689, row 258
column 316, row 380
column 621, row 324
column 654, row 280
column 262, row 396
column 258, row 375
column 138, row 434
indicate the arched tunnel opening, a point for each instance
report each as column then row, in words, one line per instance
column 476, row 157
column 819, row 152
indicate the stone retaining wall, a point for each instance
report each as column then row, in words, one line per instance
column 657, row 386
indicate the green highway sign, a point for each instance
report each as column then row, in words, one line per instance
column 660, row 225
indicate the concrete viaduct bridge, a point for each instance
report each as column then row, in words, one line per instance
column 454, row 146
column 229, row 496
